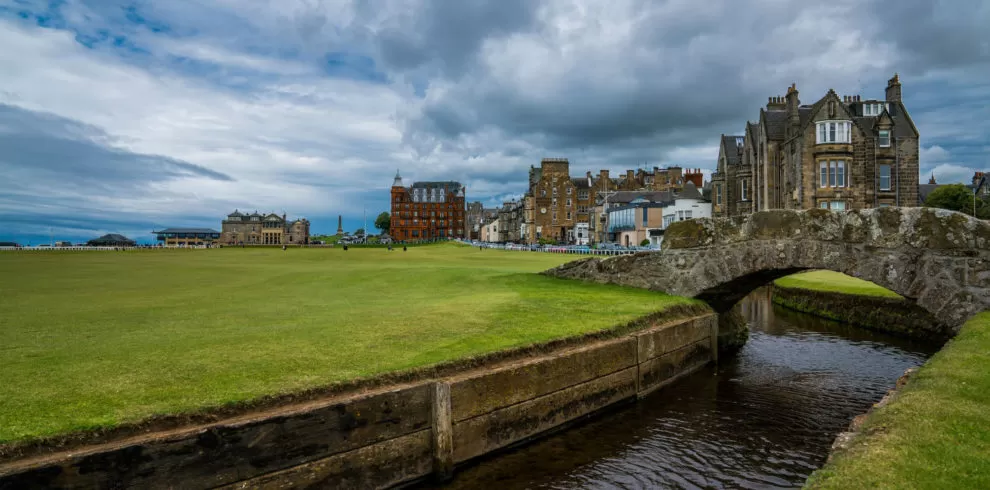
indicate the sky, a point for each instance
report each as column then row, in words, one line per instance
column 124, row 117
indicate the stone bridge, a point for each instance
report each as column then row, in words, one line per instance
column 940, row 259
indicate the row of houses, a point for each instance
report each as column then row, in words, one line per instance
column 630, row 209
column 240, row 229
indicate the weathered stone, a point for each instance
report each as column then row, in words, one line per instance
column 657, row 342
column 481, row 392
column 937, row 258
column 498, row 429
column 660, row 371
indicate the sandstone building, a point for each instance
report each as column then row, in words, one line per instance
column 427, row 210
column 566, row 209
column 258, row 229
column 838, row 153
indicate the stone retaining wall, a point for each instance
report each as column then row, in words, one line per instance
column 392, row 435
column 896, row 316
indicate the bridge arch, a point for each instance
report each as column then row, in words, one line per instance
column 940, row 259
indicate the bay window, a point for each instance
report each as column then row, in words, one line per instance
column 884, row 138
column 834, row 132
column 832, row 173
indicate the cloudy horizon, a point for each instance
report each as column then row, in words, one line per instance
column 123, row 117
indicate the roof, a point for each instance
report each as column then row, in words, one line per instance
column 733, row 152
column 186, row 230
column 623, row 197
column 446, row 184
column 235, row 214
column 112, row 238
column 776, row 122
column 690, row 191
column 581, row 182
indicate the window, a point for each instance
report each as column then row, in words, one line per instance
column 645, row 222
column 838, row 205
column 718, row 194
column 568, row 202
column 568, row 191
column 885, row 205
column 834, row 132
column 555, row 191
column 832, row 173
column 884, row 138
column 885, row 177
column 568, row 215
column 873, row 108
column 543, row 193
column 583, row 195
column 743, row 186
column 823, row 204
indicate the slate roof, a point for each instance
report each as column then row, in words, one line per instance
column 776, row 124
column 925, row 189
column 111, row 239
column 186, row 230
column 235, row 214
column 581, row 182
column 625, row 197
column 690, row 191
column 450, row 185
column 733, row 153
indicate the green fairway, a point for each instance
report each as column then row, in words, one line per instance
column 835, row 282
column 94, row 339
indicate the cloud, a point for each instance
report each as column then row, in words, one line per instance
column 189, row 109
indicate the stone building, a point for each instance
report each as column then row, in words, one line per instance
column 838, row 153
column 427, row 210
column 511, row 218
column 474, row 218
column 258, row 229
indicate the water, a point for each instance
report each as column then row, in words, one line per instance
column 765, row 418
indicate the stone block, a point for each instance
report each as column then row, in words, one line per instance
column 658, row 372
column 659, row 341
column 482, row 392
column 239, row 449
column 381, row 465
column 498, row 429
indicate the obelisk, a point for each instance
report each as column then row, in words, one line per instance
column 340, row 225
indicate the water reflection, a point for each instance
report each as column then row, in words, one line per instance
column 763, row 419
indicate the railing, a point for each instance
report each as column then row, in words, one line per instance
column 29, row 249
column 558, row 249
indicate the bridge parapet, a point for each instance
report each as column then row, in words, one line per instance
column 940, row 259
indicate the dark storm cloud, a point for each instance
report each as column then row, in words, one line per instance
column 34, row 144
column 936, row 34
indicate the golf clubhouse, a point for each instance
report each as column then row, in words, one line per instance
column 187, row 237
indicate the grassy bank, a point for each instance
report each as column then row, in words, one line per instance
column 935, row 434
column 834, row 282
column 96, row 339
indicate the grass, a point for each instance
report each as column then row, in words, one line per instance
column 828, row 281
column 935, row 434
column 95, row 339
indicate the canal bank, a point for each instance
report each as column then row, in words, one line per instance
column 849, row 300
column 382, row 436
column 936, row 431
column 764, row 418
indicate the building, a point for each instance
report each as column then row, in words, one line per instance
column 980, row 186
column 267, row 229
column 511, row 218
column 644, row 215
column 187, row 237
column 111, row 240
column 489, row 231
column 427, row 210
column 474, row 218
column 837, row 153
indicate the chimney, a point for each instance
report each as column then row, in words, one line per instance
column 629, row 175
column 603, row 175
column 894, row 89
column 588, row 175
column 775, row 103
column 793, row 119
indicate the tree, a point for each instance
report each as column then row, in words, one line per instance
column 957, row 197
column 383, row 222
column 645, row 242
column 359, row 232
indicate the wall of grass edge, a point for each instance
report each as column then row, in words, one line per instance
column 390, row 435
column 897, row 316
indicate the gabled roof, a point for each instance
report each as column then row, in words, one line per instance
column 235, row 214
column 732, row 152
column 690, row 191
column 581, row 182
column 776, row 122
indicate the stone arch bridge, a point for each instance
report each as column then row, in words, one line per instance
column 940, row 259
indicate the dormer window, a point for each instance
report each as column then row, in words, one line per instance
column 873, row 108
column 834, row 132
column 884, row 138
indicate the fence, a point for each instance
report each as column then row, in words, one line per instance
column 59, row 249
column 558, row 250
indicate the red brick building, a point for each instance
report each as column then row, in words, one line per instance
column 427, row 210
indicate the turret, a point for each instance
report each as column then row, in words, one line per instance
column 398, row 179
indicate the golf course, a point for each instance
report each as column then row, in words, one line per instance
column 92, row 340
